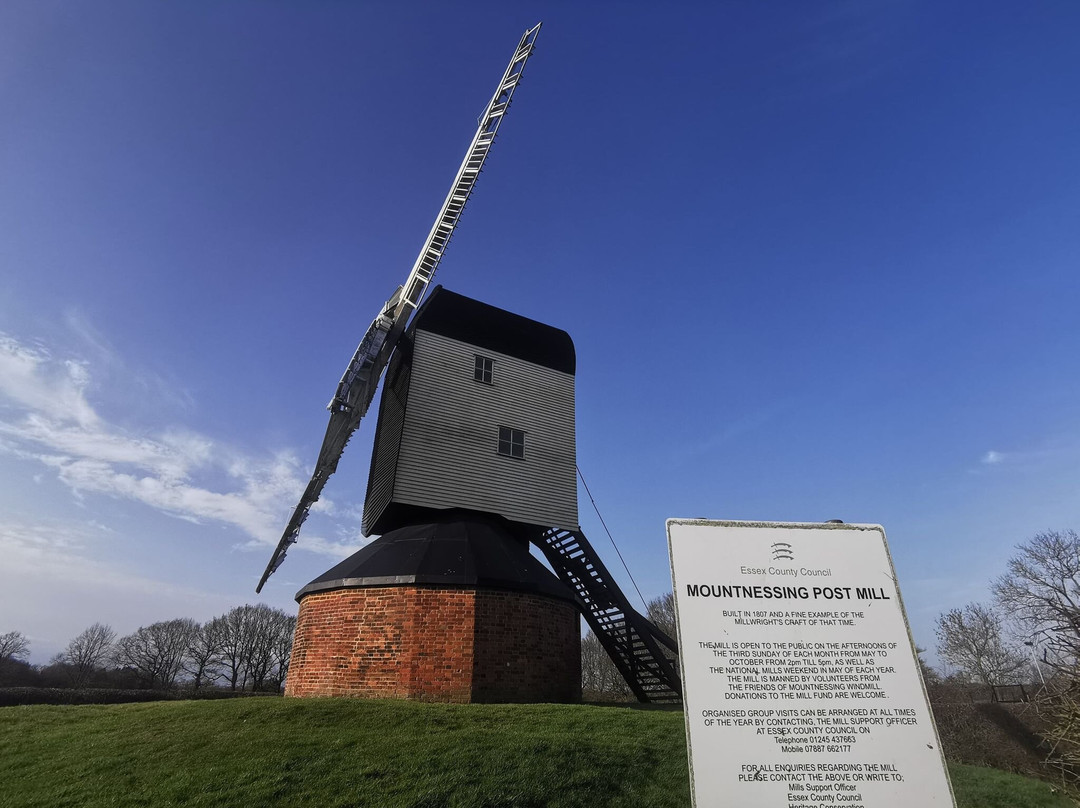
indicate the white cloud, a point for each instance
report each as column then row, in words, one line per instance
column 992, row 458
column 30, row 378
column 49, row 420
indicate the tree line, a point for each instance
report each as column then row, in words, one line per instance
column 1030, row 630
column 1028, row 634
column 247, row 648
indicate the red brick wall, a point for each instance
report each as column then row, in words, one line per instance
column 436, row 644
column 528, row 648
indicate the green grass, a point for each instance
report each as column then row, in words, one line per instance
column 317, row 752
column 340, row 753
column 976, row 787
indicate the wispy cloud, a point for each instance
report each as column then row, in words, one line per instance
column 31, row 378
column 46, row 417
column 1052, row 451
column 109, row 364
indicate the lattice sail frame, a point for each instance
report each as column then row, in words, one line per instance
column 358, row 384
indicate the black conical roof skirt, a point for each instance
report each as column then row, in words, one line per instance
column 464, row 549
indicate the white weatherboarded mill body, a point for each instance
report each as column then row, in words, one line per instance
column 477, row 413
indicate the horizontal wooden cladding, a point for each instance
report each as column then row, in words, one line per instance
column 448, row 453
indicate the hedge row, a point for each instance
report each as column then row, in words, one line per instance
column 13, row 696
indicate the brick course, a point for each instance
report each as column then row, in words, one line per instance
column 436, row 644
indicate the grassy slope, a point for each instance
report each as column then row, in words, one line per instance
column 361, row 753
column 976, row 787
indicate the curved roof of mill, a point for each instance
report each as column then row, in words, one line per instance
column 464, row 550
column 462, row 318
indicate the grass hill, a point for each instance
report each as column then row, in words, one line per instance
column 331, row 752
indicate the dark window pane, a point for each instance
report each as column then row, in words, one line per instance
column 482, row 368
column 512, row 442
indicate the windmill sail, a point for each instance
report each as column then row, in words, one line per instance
column 358, row 384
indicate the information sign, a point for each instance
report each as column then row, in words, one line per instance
column 801, row 685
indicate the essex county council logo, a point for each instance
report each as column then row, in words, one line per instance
column 781, row 551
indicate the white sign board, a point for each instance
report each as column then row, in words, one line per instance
column 801, row 685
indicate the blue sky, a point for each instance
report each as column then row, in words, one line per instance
column 819, row 261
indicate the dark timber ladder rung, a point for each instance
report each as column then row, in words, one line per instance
column 632, row 642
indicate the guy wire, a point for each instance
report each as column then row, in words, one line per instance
column 610, row 538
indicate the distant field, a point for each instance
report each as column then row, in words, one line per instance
column 318, row 752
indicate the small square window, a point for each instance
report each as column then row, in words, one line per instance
column 512, row 442
column 482, row 368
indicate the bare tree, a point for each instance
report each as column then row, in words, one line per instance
column 931, row 678
column 282, row 649
column 600, row 679
column 1041, row 591
column 971, row 639
column 661, row 613
column 157, row 651
column 234, row 642
column 201, row 661
column 255, row 644
column 269, row 628
column 87, row 652
column 14, row 645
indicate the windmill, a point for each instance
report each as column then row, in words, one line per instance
column 458, row 498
